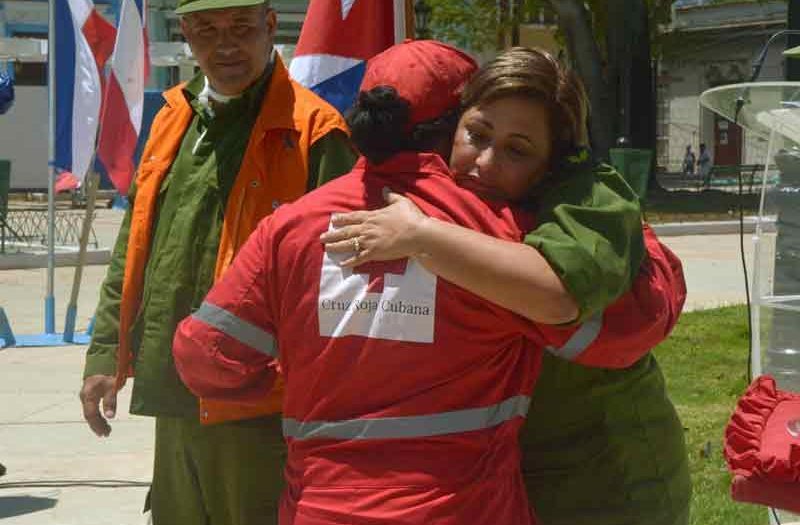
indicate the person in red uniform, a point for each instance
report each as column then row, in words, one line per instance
column 404, row 393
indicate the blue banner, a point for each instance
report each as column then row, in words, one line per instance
column 6, row 93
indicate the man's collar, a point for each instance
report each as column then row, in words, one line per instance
column 204, row 98
column 277, row 109
column 279, row 102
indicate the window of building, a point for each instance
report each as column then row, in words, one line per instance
column 30, row 73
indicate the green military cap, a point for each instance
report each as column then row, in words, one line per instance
column 190, row 6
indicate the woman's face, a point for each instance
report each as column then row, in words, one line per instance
column 502, row 148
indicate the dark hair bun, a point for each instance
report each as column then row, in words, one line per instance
column 378, row 122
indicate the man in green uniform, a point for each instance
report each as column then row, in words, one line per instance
column 246, row 128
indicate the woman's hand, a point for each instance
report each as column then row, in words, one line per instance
column 379, row 235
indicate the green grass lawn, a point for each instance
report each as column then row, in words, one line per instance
column 705, row 365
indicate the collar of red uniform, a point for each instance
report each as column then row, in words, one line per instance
column 407, row 162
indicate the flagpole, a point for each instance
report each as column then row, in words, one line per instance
column 410, row 20
column 50, row 301
column 91, row 183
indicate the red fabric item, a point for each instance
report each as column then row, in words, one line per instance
column 366, row 30
column 118, row 138
column 773, row 494
column 428, row 74
column 653, row 305
column 387, row 340
column 66, row 181
column 100, row 35
column 380, row 342
column 761, row 453
column 639, row 320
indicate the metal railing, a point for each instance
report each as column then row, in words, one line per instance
column 720, row 177
column 28, row 226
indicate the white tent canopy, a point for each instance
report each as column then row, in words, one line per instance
column 765, row 107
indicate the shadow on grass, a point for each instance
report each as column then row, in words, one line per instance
column 11, row 506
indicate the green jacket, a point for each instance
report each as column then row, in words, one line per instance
column 590, row 231
column 600, row 447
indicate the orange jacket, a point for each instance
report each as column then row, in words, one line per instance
column 274, row 169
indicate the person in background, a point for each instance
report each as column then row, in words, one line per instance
column 230, row 146
column 404, row 393
column 612, row 450
column 704, row 165
column 688, row 161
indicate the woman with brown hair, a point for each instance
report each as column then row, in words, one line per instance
column 600, row 446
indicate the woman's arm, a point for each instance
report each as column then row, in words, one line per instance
column 513, row 275
column 510, row 274
column 589, row 241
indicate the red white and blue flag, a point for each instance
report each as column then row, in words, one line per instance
column 83, row 43
column 337, row 39
column 124, row 100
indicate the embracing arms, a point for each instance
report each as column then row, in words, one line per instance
column 584, row 254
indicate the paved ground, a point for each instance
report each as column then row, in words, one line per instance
column 712, row 268
column 59, row 473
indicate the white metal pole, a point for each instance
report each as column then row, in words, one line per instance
column 50, row 301
column 755, row 310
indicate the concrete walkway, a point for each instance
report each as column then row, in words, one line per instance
column 59, row 473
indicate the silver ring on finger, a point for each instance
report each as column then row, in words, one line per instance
column 356, row 244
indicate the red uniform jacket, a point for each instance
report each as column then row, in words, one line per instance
column 404, row 392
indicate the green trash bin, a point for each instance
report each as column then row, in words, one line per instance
column 5, row 184
column 634, row 165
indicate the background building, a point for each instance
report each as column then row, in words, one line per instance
column 23, row 55
column 709, row 45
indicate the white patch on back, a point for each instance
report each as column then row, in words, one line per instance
column 404, row 311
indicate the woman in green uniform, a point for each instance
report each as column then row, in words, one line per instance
column 601, row 447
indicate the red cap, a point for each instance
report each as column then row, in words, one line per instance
column 428, row 74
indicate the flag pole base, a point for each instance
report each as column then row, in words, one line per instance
column 69, row 324
column 6, row 334
column 50, row 314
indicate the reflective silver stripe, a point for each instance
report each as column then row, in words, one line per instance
column 239, row 329
column 410, row 426
column 580, row 340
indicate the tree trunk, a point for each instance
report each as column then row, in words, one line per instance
column 503, row 9
column 640, row 116
column 516, row 20
column 573, row 19
column 793, row 65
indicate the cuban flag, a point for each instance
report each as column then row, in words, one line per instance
column 124, row 100
column 337, row 39
column 83, row 43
